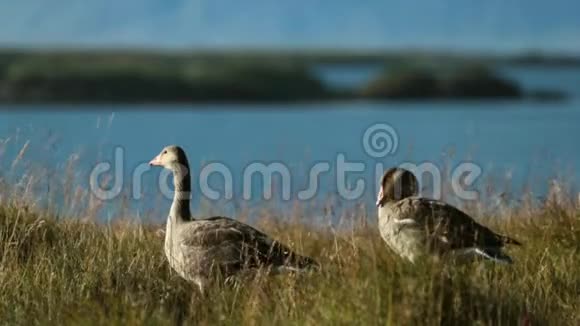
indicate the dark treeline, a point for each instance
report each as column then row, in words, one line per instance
column 144, row 78
column 139, row 76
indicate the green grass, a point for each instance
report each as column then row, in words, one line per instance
column 67, row 271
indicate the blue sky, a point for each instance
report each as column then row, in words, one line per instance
column 490, row 25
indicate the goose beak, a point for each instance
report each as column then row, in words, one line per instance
column 156, row 161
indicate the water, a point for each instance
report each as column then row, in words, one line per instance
column 525, row 143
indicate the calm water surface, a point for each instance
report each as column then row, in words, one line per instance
column 521, row 143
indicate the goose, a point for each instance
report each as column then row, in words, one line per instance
column 415, row 227
column 199, row 250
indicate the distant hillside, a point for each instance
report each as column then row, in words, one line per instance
column 135, row 77
column 141, row 76
column 464, row 83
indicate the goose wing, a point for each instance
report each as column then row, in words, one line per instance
column 237, row 245
column 447, row 225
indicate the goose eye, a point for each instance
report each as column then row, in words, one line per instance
column 165, row 152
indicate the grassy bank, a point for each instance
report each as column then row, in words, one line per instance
column 63, row 271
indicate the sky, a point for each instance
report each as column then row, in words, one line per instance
column 488, row 25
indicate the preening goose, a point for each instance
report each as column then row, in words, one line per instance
column 201, row 249
column 414, row 227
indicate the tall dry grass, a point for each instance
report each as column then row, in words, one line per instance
column 59, row 270
column 65, row 271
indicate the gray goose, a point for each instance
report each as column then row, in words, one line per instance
column 415, row 227
column 201, row 249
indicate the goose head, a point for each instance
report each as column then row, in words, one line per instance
column 171, row 157
column 396, row 184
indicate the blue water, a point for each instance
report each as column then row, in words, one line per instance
column 520, row 142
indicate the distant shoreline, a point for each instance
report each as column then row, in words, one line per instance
column 132, row 77
column 525, row 57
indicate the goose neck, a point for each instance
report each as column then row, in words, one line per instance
column 180, row 207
